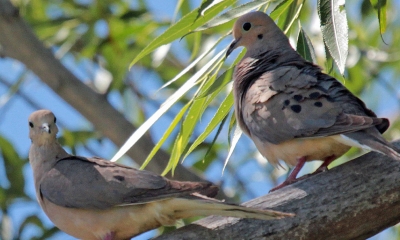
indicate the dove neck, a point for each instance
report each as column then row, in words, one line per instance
column 43, row 156
column 285, row 51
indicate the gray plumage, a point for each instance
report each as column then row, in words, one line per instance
column 91, row 198
column 289, row 107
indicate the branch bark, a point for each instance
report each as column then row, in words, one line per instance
column 19, row 42
column 355, row 200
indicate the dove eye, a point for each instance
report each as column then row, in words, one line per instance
column 31, row 124
column 55, row 119
column 246, row 26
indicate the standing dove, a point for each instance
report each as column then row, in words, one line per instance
column 290, row 109
column 91, row 198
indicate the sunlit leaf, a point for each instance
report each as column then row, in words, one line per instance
column 380, row 6
column 232, row 14
column 166, row 134
column 280, row 9
column 334, row 29
column 288, row 13
column 164, row 107
column 305, row 47
column 193, row 116
column 192, row 64
column 185, row 25
column 220, row 114
column 13, row 166
column 236, row 136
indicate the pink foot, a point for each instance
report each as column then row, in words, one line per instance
column 325, row 164
column 109, row 236
column 292, row 177
column 301, row 161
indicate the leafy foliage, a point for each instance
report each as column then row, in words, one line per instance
column 185, row 53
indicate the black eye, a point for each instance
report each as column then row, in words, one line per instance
column 31, row 124
column 55, row 119
column 246, row 26
column 260, row 36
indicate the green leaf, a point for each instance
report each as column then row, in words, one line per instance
column 280, row 9
column 165, row 106
column 223, row 79
column 13, row 166
column 221, row 125
column 166, row 134
column 192, row 117
column 181, row 141
column 185, row 25
column 220, row 114
column 334, row 30
column 305, row 47
column 193, row 64
column 380, row 7
column 236, row 136
column 286, row 21
column 232, row 14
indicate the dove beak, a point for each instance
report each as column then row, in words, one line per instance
column 45, row 128
column 232, row 47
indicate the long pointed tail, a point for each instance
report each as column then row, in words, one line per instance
column 208, row 207
column 371, row 139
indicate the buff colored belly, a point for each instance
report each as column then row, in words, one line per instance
column 126, row 221
column 311, row 148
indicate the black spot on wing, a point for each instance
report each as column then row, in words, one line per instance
column 318, row 104
column 298, row 97
column 314, row 95
column 296, row 108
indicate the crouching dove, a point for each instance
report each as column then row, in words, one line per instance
column 91, row 198
column 290, row 109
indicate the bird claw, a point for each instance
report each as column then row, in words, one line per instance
column 109, row 236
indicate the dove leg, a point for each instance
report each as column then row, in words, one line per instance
column 322, row 168
column 109, row 236
column 325, row 164
column 293, row 175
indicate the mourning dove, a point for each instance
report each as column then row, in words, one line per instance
column 91, row 198
column 290, row 109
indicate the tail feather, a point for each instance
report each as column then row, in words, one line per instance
column 387, row 149
column 371, row 139
column 207, row 208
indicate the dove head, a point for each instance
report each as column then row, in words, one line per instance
column 42, row 127
column 258, row 33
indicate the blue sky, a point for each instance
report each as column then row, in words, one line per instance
column 14, row 113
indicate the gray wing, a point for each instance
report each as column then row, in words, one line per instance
column 94, row 183
column 287, row 103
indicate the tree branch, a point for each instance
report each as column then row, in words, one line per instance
column 19, row 42
column 355, row 200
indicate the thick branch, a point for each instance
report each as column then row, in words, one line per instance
column 355, row 200
column 19, row 42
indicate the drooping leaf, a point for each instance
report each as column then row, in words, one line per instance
column 166, row 134
column 287, row 12
column 236, row 136
column 193, row 116
column 380, row 6
column 305, row 47
column 13, row 167
column 220, row 114
column 165, row 106
column 232, row 14
column 193, row 64
column 185, row 25
column 280, row 9
column 334, row 30
column 187, row 128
